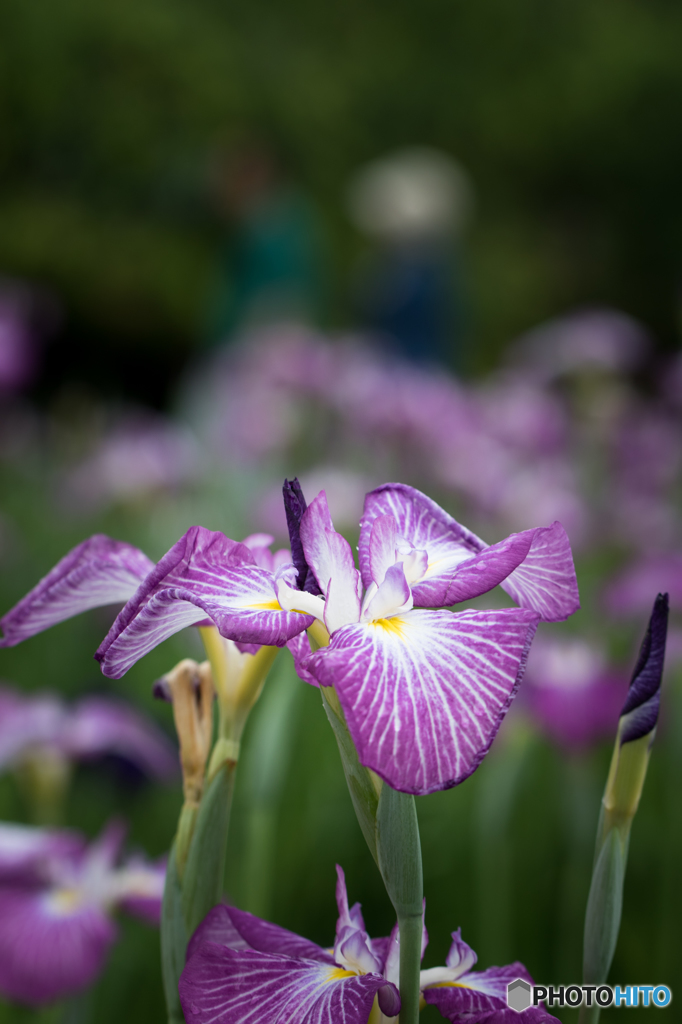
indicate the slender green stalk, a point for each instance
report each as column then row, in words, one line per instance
column 632, row 750
column 410, row 966
column 202, row 883
column 400, row 863
column 173, row 939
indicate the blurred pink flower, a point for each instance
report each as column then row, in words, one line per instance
column 571, row 693
column 141, row 455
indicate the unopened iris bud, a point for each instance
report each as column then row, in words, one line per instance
column 294, row 507
column 635, row 736
column 637, row 726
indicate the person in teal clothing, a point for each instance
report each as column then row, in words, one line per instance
column 268, row 268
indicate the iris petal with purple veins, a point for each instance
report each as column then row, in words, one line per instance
column 424, row 693
column 98, row 572
column 241, row 970
column 534, row 567
column 203, row 575
column 481, row 998
column 227, row 986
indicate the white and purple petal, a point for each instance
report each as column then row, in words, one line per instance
column 259, row 935
column 392, row 596
column 204, row 575
column 424, row 693
column 535, row 567
column 301, row 653
column 316, row 526
column 99, row 571
column 352, row 946
column 421, row 522
column 481, row 998
column 226, row 986
column 382, row 551
column 344, row 587
column 461, row 957
column 51, row 944
column 30, row 853
column 546, row 581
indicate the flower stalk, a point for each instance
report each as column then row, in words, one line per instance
column 634, row 739
column 197, row 865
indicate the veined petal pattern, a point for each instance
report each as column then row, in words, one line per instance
column 97, row 572
column 225, row 986
column 424, row 692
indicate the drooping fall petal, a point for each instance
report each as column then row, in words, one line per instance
column 97, row 572
column 481, row 998
column 227, row 986
column 51, row 945
column 424, row 692
column 205, row 575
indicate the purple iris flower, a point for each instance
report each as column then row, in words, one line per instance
column 571, row 692
column 57, row 895
column 423, row 689
column 240, row 968
column 41, row 726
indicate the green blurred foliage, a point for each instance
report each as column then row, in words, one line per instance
column 566, row 114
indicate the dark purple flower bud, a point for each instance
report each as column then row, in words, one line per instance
column 640, row 711
column 294, row 507
column 389, row 1000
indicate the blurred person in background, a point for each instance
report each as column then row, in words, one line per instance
column 29, row 316
column 413, row 204
column 268, row 268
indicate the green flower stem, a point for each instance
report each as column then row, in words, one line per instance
column 195, row 886
column 605, row 901
column 202, row 883
column 173, row 939
column 400, row 863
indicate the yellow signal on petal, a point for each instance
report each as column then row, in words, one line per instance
column 337, row 973
column 394, row 625
column 274, row 606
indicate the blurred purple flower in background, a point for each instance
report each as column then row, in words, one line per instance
column 140, row 456
column 57, row 895
column 234, row 957
column 571, row 692
column 603, row 340
column 42, row 726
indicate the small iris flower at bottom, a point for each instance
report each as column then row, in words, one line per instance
column 57, row 896
column 242, row 969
